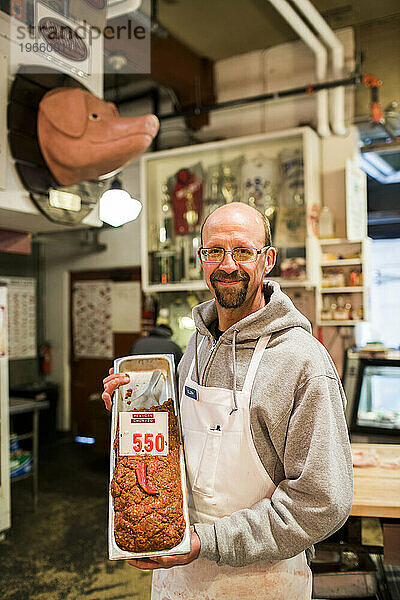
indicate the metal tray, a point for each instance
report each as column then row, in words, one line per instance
column 140, row 369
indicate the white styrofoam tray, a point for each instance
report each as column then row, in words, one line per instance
column 140, row 369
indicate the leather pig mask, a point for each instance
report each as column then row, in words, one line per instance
column 83, row 137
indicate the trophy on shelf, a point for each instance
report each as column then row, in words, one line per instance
column 186, row 192
column 260, row 186
column 291, row 220
column 163, row 260
column 176, row 257
column 222, row 184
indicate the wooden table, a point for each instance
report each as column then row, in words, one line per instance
column 377, row 489
column 377, row 494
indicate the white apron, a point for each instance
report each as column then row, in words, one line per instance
column 226, row 474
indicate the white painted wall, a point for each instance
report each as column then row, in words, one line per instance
column 281, row 67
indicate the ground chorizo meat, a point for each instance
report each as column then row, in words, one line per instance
column 145, row 522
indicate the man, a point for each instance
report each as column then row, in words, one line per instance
column 158, row 341
column 268, row 456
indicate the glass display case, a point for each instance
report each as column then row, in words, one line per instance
column 376, row 406
column 278, row 173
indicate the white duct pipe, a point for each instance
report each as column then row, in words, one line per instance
column 337, row 104
column 321, row 57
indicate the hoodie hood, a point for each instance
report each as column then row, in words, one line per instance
column 161, row 331
column 278, row 314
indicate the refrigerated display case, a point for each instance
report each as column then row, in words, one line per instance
column 374, row 408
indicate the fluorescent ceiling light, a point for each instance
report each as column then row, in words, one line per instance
column 379, row 163
column 377, row 168
column 117, row 207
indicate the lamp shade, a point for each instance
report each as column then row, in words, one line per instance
column 117, row 207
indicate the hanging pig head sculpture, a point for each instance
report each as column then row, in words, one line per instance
column 63, row 137
column 83, row 137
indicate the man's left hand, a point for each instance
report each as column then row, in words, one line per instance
column 174, row 560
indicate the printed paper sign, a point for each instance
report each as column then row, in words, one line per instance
column 143, row 433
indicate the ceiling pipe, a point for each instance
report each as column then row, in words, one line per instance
column 354, row 79
column 321, row 56
column 336, row 96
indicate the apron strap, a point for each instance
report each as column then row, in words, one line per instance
column 192, row 366
column 254, row 363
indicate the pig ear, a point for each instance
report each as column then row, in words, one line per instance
column 66, row 110
column 114, row 108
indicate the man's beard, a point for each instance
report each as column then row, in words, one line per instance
column 230, row 297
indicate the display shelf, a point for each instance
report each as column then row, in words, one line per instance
column 180, row 187
column 201, row 285
column 341, row 262
column 338, row 323
column 351, row 300
column 336, row 241
column 341, row 290
column 292, row 283
column 179, row 286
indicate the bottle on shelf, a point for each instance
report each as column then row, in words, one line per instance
column 353, row 279
column 326, row 312
column 166, row 233
column 326, row 223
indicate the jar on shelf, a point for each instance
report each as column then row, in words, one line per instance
column 342, row 310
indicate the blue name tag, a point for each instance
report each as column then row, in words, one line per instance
column 190, row 392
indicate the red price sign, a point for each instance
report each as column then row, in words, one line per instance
column 149, row 442
column 143, row 433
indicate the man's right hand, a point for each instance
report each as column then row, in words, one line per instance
column 111, row 383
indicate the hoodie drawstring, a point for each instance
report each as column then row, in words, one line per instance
column 196, row 362
column 196, row 358
column 234, row 372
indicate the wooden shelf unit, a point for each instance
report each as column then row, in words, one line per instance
column 357, row 295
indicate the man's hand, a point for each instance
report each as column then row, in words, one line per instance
column 174, row 560
column 111, row 383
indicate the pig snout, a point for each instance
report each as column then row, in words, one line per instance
column 150, row 125
column 113, row 129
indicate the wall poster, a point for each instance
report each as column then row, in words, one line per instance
column 22, row 342
column 92, row 319
column 126, row 306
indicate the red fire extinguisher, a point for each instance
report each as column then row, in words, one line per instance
column 45, row 358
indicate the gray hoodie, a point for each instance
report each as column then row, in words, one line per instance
column 298, row 428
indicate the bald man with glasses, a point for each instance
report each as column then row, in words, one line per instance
column 267, row 451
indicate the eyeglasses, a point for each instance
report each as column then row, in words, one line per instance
column 240, row 255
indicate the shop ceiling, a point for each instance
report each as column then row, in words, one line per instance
column 218, row 29
column 186, row 31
